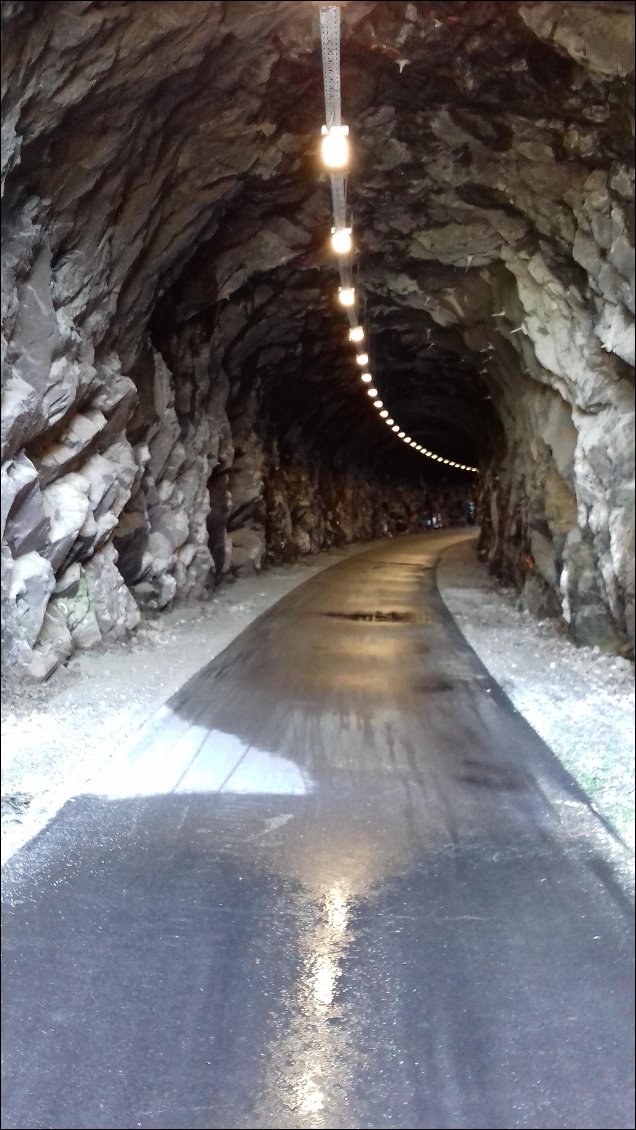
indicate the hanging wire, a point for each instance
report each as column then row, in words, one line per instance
column 339, row 199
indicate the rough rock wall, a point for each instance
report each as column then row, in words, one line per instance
column 173, row 376
column 217, row 494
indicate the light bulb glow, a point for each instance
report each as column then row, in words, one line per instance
column 346, row 295
column 362, row 359
column 341, row 241
column 378, row 404
column 384, row 414
column 335, row 147
column 395, row 428
column 356, row 333
column 390, row 421
column 366, row 377
column 372, row 392
column 401, row 435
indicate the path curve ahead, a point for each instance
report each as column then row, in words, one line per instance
column 338, row 883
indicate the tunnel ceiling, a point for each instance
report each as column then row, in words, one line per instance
column 166, row 213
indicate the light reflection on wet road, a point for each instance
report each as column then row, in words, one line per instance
column 338, row 883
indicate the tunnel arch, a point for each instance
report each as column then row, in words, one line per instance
column 178, row 403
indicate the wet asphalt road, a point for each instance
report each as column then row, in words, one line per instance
column 339, row 883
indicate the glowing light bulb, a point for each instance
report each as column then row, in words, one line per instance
column 372, row 392
column 341, row 241
column 362, row 359
column 407, row 439
column 366, row 377
column 356, row 333
column 390, row 421
column 395, row 428
column 347, row 295
column 378, row 404
column 335, row 147
column 444, row 460
column 401, row 435
column 384, row 414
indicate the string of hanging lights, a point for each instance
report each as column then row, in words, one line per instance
column 336, row 155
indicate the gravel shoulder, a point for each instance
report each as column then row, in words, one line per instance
column 578, row 699
column 56, row 736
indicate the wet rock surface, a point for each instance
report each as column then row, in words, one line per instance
column 178, row 405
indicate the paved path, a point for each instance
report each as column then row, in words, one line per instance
column 338, row 883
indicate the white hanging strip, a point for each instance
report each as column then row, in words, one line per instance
column 339, row 199
column 330, row 43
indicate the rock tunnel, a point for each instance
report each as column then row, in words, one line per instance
column 180, row 401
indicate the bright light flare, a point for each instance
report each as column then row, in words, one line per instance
column 362, row 359
column 378, row 404
column 335, row 147
column 347, row 295
column 341, row 241
column 372, row 392
column 356, row 333
column 366, row 377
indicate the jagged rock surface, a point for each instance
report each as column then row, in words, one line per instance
column 177, row 401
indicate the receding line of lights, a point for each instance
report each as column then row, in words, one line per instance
column 336, row 155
